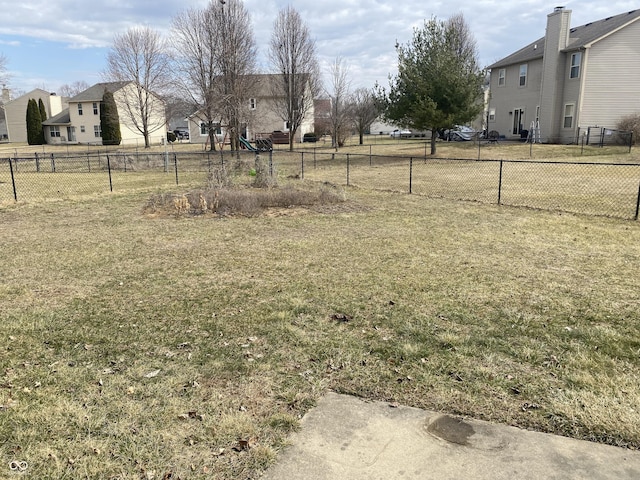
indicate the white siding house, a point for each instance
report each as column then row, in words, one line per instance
column 80, row 122
column 16, row 112
column 568, row 80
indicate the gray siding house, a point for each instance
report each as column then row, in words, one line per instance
column 568, row 80
column 258, row 116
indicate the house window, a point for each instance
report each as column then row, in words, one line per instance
column 54, row 131
column 82, row 128
column 568, row 115
column 95, row 108
column 252, row 104
column 502, row 76
column 523, row 75
column 492, row 115
column 79, row 109
column 97, row 131
column 575, row 65
column 204, row 130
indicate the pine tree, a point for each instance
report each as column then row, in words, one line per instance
column 109, row 120
column 34, row 124
column 43, row 117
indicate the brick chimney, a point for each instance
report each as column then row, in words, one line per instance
column 6, row 95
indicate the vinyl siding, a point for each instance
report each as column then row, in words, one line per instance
column 611, row 85
column 505, row 99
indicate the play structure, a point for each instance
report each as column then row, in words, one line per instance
column 245, row 143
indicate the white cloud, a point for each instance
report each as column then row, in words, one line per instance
column 364, row 33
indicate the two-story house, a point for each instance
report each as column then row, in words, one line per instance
column 568, row 80
column 16, row 112
column 258, row 116
column 80, row 122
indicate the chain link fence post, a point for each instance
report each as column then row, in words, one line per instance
column 410, row 175
column 348, row 166
column 500, row 184
column 109, row 170
column 302, row 165
column 175, row 166
column 13, row 181
column 637, row 204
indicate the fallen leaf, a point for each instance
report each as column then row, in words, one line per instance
column 245, row 444
column 152, row 374
column 341, row 317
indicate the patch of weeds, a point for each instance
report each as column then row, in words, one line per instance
column 242, row 201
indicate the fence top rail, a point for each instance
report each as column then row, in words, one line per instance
column 344, row 155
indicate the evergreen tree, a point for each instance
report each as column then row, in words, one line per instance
column 439, row 81
column 34, row 123
column 109, row 120
column 43, row 117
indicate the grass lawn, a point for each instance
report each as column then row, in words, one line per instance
column 135, row 345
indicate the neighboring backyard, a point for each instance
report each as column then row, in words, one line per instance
column 140, row 344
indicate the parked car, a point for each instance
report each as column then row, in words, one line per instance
column 181, row 133
column 400, row 134
column 459, row 133
column 309, row 137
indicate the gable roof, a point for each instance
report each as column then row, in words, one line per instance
column 63, row 118
column 37, row 92
column 95, row 93
column 579, row 37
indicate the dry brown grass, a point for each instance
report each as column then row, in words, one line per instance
column 137, row 345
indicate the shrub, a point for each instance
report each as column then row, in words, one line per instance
column 109, row 120
column 631, row 123
column 35, row 134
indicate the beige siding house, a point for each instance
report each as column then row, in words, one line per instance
column 568, row 80
column 16, row 112
column 80, row 122
column 258, row 116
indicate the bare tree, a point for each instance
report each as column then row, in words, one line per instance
column 139, row 56
column 364, row 109
column 215, row 53
column 3, row 68
column 340, row 117
column 292, row 52
column 236, row 63
column 195, row 44
column 71, row 90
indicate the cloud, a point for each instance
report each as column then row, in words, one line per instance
column 363, row 33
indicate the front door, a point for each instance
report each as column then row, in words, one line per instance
column 518, row 119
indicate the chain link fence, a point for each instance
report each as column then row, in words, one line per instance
column 55, row 176
column 607, row 189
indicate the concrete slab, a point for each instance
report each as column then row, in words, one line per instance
column 347, row 438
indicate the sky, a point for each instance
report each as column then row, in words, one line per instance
column 48, row 44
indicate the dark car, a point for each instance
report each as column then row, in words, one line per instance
column 309, row 137
column 181, row 133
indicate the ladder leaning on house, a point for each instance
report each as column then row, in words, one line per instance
column 534, row 132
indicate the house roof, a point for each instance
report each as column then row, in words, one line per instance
column 33, row 93
column 95, row 93
column 63, row 118
column 579, row 37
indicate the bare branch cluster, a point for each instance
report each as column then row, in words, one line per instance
column 139, row 57
column 292, row 53
column 215, row 53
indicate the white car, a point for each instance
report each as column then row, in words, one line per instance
column 400, row 134
column 460, row 133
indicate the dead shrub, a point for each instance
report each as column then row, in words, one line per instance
column 631, row 123
column 265, row 177
column 241, row 200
